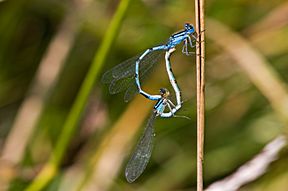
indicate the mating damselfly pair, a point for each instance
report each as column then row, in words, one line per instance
column 128, row 75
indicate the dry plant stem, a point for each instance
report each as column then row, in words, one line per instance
column 254, row 65
column 252, row 169
column 75, row 114
column 200, row 62
column 113, row 146
column 31, row 108
column 276, row 19
column 115, row 143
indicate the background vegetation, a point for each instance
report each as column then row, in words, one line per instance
column 60, row 129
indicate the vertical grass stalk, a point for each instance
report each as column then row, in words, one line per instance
column 78, row 107
column 200, row 61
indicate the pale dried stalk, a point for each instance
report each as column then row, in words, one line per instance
column 252, row 169
column 32, row 107
column 200, row 60
column 253, row 64
column 267, row 80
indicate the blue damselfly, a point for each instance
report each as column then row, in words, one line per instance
column 121, row 76
column 143, row 150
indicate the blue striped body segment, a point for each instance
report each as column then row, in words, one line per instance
column 174, row 40
column 172, row 108
column 121, row 76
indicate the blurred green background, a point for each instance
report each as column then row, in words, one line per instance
column 60, row 129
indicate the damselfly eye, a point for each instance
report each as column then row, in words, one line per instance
column 163, row 91
column 188, row 26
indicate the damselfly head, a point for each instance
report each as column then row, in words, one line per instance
column 164, row 92
column 189, row 26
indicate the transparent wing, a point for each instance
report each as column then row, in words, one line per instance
column 131, row 92
column 142, row 153
column 125, row 69
column 132, row 89
column 118, row 85
column 116, row 76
